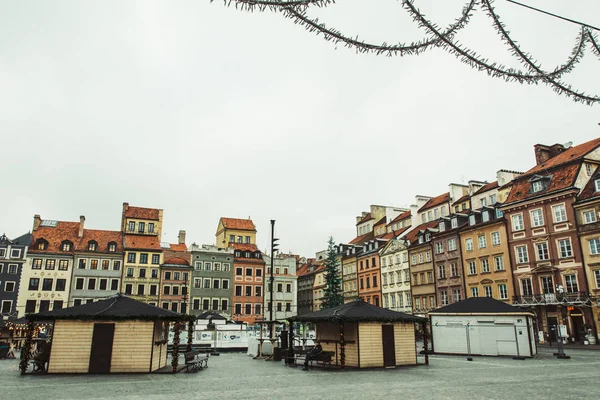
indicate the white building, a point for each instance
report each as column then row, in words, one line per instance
column 285, row 287
column 395, row 276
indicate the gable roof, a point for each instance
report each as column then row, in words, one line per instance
column 486, row 187
column 245, row 247
column 366, row 218
column 479, row 305
column 238, row 223
column 362, row 238
column 562, row 177
column 463, row 199
column 103, row 238
column 176, row 261
column 357, row 311
column 400, row 217
column 55, row 233
column 436, row 201
column 178, row 247
column 571, row 154
column 116, row 308
column 589, row 191
column 142, row 213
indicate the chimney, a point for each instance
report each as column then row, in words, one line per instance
column 542, row 153
column 37, row 220
column 556, row 149
column 181, row 237
column 81, row 223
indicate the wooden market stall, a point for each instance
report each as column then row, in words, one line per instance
column 116, row 335
column 365, row 336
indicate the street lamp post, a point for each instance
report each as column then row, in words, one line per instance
column 561, row 351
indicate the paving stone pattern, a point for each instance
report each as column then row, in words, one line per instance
column 237, row 376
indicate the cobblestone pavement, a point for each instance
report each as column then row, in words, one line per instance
column 237, row 376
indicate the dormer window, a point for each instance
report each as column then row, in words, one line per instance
column 427, row 237
column 112, row 247
column 66, row 246
column 238, row 253
column 92, row 245
column 41, row 244
column 131, row 226
column 442, row 226
column 141, row 227
column 483, row 202
column 493, row 199
column 247, row 254
column 537, row 186
column 597, row 185
column 454, row 222
column 420, row 239
column 472, row 220
column 485, row 216
column 539, row 183
column 499, row 213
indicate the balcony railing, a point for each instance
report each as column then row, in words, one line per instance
column 137, row 232
column 577, row 298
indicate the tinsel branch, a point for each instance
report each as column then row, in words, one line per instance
column 330, row 34
column 274, row 5
column 594, row 40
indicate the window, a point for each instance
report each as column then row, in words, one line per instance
column 131, row 227
column 560, row 213
column 474, row 292
column 63, row 265
column 442, row 226
column 9, row 286
column 499, row 213
column 248, row 290
column 537, row 186
column 114, row 284
column 92, row 245
column 537, row 218
column 82, row 263
column 61, row 284
column 589, row 216
column 453, row 270
column 482, row 241
column 93, row 264
column 58, row 304
column 492, row 199
column 175, row 290
column 248, row 271
column 141, row 227
column 594, row 246
column 428, row 256
column 140, row 290
column 454, row 223
column 429, row 277
column 131, row 257
column 487, row 290
column 129, row 288
column 485, row 265
column 248, row 307
column 597, row 185
column 239, row 240
column 258, row 308
column 144, row 258
column 597, row 277
column 279, row 306
column 155, row 258
column 439, row 247
column 150, row 227
column 280, row 287
column 444, row 297
column 472, row 268
column 30, row 306
column 112, row 247
column 79, row 282
column 12, row 268
column 207, row 283
column 374, row 281
column 129, row 272
column 517, row 222
column 456, row 293
column 225, row 284
column 472, row 220
column 105, row 264
column 258, row 273
column 495, row 238
column 413, row 259
column 565, row 249
column 522, row 256
column 41, row 244
column 502, row 292
column 216, row 283
column 441, row 272
column 571, row 283
column 499, row 263
column 47, row 284
column 469, row 244
column 36, row 263
column 247, row 239
column 542, row 251
column 215, row 304
column 547, row 285
column 224, row 305
column 167, row 290
column 66, row 246
column 91, row 284
column 142, row 272
column 417, row 303
column 103, row 284
column 451, row 244
column 50, row 264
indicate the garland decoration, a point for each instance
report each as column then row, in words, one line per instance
column 176, row 341
column 190, row 334
column 26, row 349
column 296, row 10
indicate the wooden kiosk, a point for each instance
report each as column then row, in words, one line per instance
column 116, row 335
column 365, row 336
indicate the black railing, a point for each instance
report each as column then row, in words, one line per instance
column 574, row 298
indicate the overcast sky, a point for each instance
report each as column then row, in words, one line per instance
column 208, row 111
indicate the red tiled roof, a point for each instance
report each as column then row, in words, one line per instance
column 237, row 223
column 177, row 261
column 389, row 235
column 178, row 247
column 563, row 177
column 55, row 236
column 589, row 191
column 436, row 201
column 142, row 213
column 463, row 199
column 400, row 217
column 244, row 246
column 142, row 242
column 365, row 219
column 566, row 156
column 487, row 187
column 103, row 238
column 412, row 235
column 381, row 221
column 401, row 231
column 362, row 238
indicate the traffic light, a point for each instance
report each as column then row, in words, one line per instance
column 274, row 245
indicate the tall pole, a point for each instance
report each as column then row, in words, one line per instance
column 271, row 279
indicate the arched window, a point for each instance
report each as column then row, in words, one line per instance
column 41, row 244
column 92, row 245
column 66, row 245
column 112, row 247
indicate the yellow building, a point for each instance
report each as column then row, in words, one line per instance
column 421, row 267
column 319, row 287
column 142, row 228
column 485, row 255
column 235, row 230
column 587, row 212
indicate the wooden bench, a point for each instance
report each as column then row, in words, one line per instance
column 195, row 362
column 323, row 358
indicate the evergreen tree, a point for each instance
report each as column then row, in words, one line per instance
column 333, row 291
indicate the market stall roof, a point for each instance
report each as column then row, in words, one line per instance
column 116, row 308
column 211, row 315
column 357, row 311
column 479, row 305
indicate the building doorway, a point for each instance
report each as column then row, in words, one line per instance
column 102, row 344
column 577, row 325
column 552, row 328
column 389, row 345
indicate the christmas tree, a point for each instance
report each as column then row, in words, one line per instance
column 333, row 291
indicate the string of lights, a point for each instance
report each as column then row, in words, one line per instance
column 445, row 39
